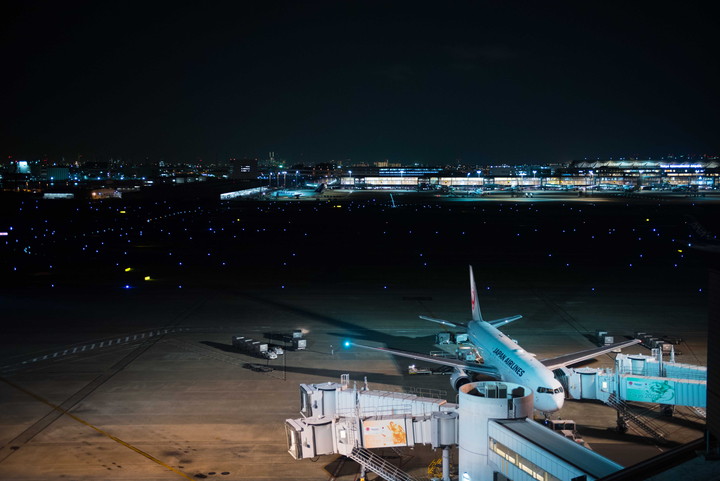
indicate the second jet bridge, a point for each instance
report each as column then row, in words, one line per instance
column 640, row 378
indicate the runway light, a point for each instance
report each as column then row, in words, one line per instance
column 128, row 269
column 147, row 278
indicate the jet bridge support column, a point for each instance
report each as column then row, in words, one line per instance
column 480, row 402
column 446, row 464
column 443, row 435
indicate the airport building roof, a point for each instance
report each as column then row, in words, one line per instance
column 569, row 451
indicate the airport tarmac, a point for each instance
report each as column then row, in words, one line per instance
column 184, row 404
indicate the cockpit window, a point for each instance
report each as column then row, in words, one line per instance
column 547, row 390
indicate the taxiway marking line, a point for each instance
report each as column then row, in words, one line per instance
column 104, row 433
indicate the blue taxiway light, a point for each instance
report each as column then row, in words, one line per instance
column 347, row 344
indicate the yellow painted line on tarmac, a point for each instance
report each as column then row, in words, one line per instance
column 104, row 433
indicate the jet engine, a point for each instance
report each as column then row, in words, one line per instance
column 459, row 377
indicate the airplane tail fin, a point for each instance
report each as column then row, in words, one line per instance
column 474, row 304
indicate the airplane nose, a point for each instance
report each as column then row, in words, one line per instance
column 550, row 403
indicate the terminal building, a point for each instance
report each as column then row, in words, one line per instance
column 582, row 174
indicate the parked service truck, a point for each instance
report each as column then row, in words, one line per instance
column 255, row 348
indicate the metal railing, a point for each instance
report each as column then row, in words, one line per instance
column 627, row 415
column 372, row 462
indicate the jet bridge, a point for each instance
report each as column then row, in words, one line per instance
column 640, row 378
column 338, row 419
column 352, row 421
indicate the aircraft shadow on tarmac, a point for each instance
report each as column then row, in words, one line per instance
column 355, row 332
column 352, row 331
column 332, row 373
column 357, row 376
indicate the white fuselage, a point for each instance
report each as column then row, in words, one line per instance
column 515, row 364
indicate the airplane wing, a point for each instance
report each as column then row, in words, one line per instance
column 468, row 366
column 575, row 357
column 503, row 321
column 443, row 322
column 495, row 323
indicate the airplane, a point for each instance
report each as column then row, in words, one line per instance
column 560, row 187
column 503, row 358
column 288, row 193
column 705, row 240
column 606, row 187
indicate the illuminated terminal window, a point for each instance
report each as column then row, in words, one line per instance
column 532, row 469
column 391, row 181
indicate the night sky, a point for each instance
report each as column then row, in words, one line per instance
column 429, row 82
